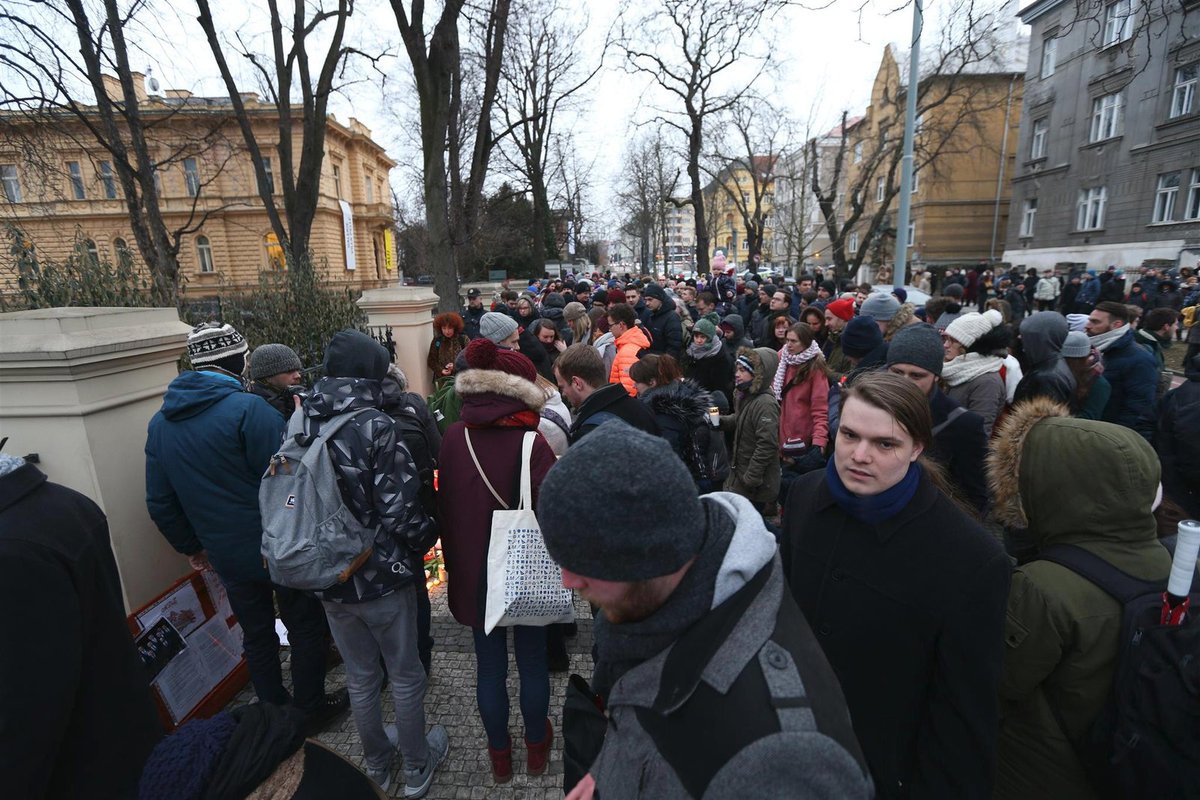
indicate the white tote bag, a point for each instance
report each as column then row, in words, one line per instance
column 524, row 585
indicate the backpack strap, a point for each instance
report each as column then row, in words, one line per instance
column 954, row 414
column 1118, row 584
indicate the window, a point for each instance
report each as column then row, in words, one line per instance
column 122, row 252
column 76, row 180
column 916, row 181
column 1108, row 117
column 12, row 187
column 382, row 195
column 912, row 233
column 204, row 254
column 1037, row 144
column 1028, row 216
column 745, row 244
column 1164, row 198
column 269, row 174
column 1090, row 210
column 1192, row 211
column 158, row 184
column 107, row 182
column 858, row 152
column 853, row 244
column 191, row 177
column 1183, row 98
column 93, row 252
column 370, row 190
column 337, row 181
column 1049, row 56
column 880, row 189
column 1118, row 22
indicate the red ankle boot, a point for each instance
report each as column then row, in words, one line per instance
column 538, row 754
column 501, row 763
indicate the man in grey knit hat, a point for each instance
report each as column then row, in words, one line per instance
column 696, row 636
column 959, row 438
column 274, row 369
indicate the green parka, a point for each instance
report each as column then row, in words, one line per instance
column 1079, row 482
column 754, row 460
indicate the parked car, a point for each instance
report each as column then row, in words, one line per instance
column 915, row 295
column 424, row 280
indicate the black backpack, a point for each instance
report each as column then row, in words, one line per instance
column 411, row 429
column 1146, row 741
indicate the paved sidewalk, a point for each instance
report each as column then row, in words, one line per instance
column 450, row 701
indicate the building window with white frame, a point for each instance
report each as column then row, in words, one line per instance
column 1183, row 96
column 269, row 176
column 93, row 252
column 1192, row 210
column 880, row 189
column 852, row 244
column 370, row 189
column 191, row 177
column 1118, row 22
column 10, row 182
column 76, row 174
column 1108, row 117
column 337, row 181
column 1028, row 216
column 106, row 180
column 916, row 181
column 204, row 254
column 912, row 233
column 858, row 152
column 1089, row 214
column 1165, row 197
column 1037, row 143
column 1049, row 56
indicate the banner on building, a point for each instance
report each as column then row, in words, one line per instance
column 348, row 234
column 389, row 250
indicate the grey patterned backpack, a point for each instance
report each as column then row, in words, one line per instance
column 311, row 540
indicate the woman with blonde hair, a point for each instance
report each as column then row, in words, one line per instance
column 579, row 323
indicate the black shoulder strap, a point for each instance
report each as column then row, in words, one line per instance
column 1120, row 585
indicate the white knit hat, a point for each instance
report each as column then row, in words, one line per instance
column 967, row 329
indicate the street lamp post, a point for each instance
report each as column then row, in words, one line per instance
column 906, row 162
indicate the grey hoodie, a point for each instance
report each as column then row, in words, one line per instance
column 1042, row 337
column 752, row 664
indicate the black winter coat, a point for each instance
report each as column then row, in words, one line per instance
column 1177, row 441
column 714, row 373
column 76, row 715
column 611, row 400
column 666, row 331
column 280, row 401
column 960, row 445
column 911, row 615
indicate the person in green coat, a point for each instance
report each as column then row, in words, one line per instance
column 754, row 458
column 1079, row 482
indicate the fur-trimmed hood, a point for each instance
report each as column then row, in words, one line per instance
column 1071, row 480
column 682, row 400
column 491, row 381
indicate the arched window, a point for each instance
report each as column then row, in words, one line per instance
column 122, row 253
column 204, row 254
column 275, row 259
column 92, row 251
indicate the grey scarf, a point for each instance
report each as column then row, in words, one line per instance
column 622, row 647
column 706, row 350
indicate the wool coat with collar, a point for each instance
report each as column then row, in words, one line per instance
column 910, row 614
column 491, row 413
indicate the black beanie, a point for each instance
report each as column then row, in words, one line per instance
column 638, row 536
column 353, row 354
column 654, row 290
column 860, row 336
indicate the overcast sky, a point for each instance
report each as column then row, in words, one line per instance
column 824, row 59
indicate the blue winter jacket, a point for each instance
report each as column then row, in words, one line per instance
column 1133, row 374
column 206, row 451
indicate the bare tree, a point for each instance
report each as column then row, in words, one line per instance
column 749, row 151
column 688, row 47
column 639, row 198
column 542, row 73
column 56, row 53
column 954, row 91
column 287, row 71
column 455, row 156
column 795, row 206
column 572, row 181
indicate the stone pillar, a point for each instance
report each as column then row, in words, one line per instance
column 409, row 312
column 78, row 387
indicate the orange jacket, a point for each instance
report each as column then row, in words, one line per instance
column 630, row 343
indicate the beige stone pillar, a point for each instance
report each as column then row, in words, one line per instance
column 409, row 312
column 78, row 387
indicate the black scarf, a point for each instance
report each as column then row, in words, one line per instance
column 620, row 648
column 266, row 735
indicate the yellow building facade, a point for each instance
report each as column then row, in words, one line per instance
column 59, row 187
column 726, row 226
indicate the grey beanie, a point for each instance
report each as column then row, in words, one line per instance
column 496, row 326
column 637, row 536
column 272, row 359
column 1076, row 345
column 880, row 307
column 919, row 345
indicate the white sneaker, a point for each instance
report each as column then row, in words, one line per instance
column 418, row 781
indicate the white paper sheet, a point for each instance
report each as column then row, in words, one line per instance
column 181, row 607
column 213, row 652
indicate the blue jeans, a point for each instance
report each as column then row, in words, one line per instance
column 253, row 602
column 491, row 690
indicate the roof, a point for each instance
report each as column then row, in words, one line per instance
column 1006, row 59
column 1036, row 9
column 836, row 131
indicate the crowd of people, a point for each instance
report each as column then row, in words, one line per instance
column 808, row 517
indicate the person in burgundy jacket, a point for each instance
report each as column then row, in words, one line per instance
column 500, row 403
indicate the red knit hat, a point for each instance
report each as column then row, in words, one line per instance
column 616, row 296
column 842, row 309
column 484, row 354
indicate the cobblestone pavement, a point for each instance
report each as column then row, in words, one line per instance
column 450, row 701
